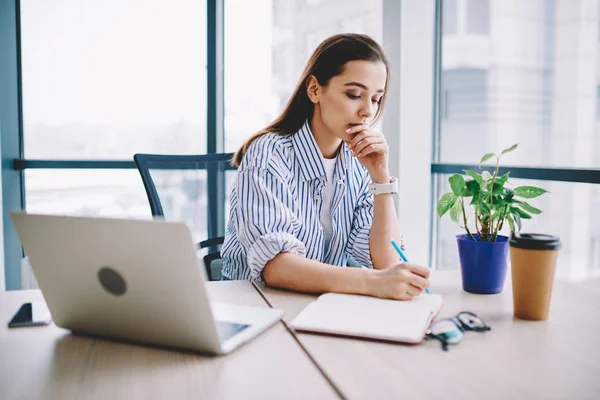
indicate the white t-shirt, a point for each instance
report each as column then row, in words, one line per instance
column 327, row 196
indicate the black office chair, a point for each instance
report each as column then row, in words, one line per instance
column 177, row 189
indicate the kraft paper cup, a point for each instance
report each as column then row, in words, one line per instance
column 533, row 263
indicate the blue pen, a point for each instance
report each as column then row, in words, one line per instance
column 403, row 256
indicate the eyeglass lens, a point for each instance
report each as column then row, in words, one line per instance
column 451, row 331
column 448, row 331
column 471, row 321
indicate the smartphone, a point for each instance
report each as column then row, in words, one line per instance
column 31, row 314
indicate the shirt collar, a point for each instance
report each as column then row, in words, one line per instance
column 310, row 158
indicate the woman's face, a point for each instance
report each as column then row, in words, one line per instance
column 352, row 98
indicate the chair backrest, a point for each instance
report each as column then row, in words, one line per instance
column 178, row 190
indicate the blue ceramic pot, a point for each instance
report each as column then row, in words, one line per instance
column 483, row 264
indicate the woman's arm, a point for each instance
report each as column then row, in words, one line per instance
column 371, row 150
column 384, row 228
column 400, row 282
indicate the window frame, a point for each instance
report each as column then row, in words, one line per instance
column 11, row 134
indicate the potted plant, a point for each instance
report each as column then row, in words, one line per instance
column 482, row 251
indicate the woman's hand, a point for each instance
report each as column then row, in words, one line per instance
column 372, row 151
column 399, row 282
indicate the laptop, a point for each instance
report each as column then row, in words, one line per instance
column 138, row 280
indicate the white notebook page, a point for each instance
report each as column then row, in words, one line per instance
column 369, row 317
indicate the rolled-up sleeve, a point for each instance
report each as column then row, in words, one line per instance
column 358, row 243
column 267, row 223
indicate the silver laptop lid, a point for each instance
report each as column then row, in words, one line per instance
column 121, row 278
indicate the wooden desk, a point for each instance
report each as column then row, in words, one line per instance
column 50, row 363
column 556, row 359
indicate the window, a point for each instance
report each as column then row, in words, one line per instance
column 105, row 81
column 478, row 17
column 528, row 86
column 539, row 93
column 265, row 55
column 118, row 193
column 465, row 90
column 450, row 17
column 462, row 17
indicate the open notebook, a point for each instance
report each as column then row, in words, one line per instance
column 369, row 317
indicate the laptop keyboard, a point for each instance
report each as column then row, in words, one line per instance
column 229, row 329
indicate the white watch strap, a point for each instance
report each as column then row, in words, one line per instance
column 383, row 188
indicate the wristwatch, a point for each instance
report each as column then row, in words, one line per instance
column 383, row 188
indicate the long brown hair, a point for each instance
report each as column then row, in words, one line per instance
column 327, row 61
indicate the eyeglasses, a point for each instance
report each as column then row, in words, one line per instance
column 452, row 330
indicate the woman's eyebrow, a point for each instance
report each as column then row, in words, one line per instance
column 360, row 85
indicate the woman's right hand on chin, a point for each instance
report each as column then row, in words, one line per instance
column 399, row 282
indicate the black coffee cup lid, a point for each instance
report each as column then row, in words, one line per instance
column 534, row 241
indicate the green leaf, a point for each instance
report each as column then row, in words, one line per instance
column 511, row 148
column 445, row 203
column 517, row 218
column 529, row 192
column 472, row 188
column 511, row 223
column 529, row 208
column 497, row 189
column 456, row 211
column 486, row 176
column 521, row 213
column 501, row 180
column 475, row 176
column 486, row 157
column 501, row 203
column 509, row 194
column 524, row 215
column 457, row 183
column 496, row 198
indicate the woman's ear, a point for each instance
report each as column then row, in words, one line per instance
column 312, row 89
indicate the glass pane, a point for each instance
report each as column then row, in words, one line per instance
column 266, row 54
column 571, row 211
column 533, row 80
column 120, row 193
column 478, row 17
column 449, row 16
column 104, row 80
column 109, row 193
column 183, row 197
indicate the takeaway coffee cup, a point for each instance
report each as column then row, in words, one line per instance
column 533, row 261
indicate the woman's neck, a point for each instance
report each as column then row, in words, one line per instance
column 328, row 143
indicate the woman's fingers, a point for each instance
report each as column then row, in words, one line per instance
column 359, row 138
column 418, row 281
column 413, row 291
column 358, row 128
column 374, row 148
column 417, row 269
column 366, row 133
column 363, row 144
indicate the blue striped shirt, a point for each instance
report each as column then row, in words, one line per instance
column 276, row 202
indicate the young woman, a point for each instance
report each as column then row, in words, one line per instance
column 314, row 189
